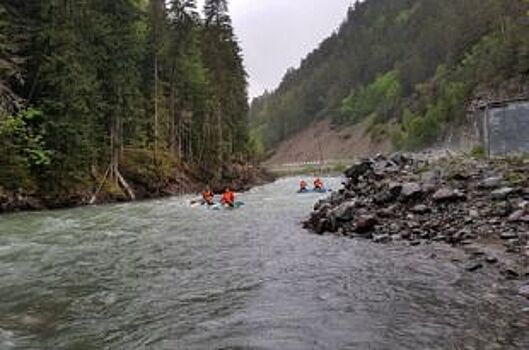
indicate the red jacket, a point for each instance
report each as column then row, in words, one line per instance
column 228, row 197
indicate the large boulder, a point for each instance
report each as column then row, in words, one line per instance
column 359, row 169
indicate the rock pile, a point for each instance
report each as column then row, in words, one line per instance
column 456, row 200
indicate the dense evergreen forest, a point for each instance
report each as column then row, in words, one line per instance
column 117, row 89
column 408, row 67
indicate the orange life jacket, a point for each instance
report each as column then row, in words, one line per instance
column 208, row 196
column 228, row 198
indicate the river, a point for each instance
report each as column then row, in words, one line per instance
column 163, row 275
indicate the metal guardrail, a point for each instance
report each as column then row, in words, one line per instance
column 301, row 165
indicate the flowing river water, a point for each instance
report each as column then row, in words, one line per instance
column 163, row 275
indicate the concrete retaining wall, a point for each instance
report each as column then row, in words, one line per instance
column 506, row 128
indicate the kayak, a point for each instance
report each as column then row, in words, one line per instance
column 321, row 190
column 219, row 206
column 216, row 206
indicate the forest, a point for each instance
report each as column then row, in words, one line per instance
column 122, row 90
column 408, row 67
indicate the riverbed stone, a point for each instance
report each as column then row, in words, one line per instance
column 359, row 169
column 508, row 235
column 420, row 209
column 365, row 223
column 410, row 190
column 517, row 216
column 321, row 226
column 447, row 195
column 383, row 238
column 473, row 213
column 345, row 211
column 491, row 182
column 502, row 193
column 398, row 199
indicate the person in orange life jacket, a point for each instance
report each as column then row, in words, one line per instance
column 302, row 186
column 318, row 184
column 228, row 198
column 207, row 196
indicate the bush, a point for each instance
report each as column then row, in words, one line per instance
column 478, row 152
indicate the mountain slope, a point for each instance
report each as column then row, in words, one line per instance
column 414, row 63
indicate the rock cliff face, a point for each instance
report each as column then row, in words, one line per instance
column 417, row 200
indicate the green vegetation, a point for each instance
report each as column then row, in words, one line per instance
column 410, row 66
column 478, row 152
column 377, row 98
column 134, row 86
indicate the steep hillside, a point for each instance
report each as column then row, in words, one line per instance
column 324, row 141
column 411, row 64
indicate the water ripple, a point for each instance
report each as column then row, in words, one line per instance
column 162, row 275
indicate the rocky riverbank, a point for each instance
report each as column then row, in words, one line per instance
column 476, row 204
column 146, row 184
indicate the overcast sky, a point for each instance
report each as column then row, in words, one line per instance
column 277, row 34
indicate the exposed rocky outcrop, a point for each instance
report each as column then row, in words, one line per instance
column 417, row 200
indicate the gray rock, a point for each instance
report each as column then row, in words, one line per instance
column 502, row 193
column 321, row 226
column 467, row 234
column 509, row 235
column 383, row 198
column 523, row 205
column 321, row 204
column 344, row 212
column 399, row 159
column 474, row 214
column 428, row 188
column 420, row 209
column 517, row 216
column 447, row 195
column 491, row 182
column 395, row 188
column 359, row 169
column 386, row 212
column 410, row 190
column 524, row 291
column 431, row 177
column 383, row 238
column 365, row 223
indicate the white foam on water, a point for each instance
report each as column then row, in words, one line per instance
column 6, row 339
